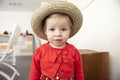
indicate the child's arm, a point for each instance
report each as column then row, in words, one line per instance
column 35, row 67
column 79, row 74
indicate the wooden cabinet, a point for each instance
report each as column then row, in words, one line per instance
column 95, row 65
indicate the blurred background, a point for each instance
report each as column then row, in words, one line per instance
column 100, row 29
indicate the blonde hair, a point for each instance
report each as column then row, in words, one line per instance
column 58, row 15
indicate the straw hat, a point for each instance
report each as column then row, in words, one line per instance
column 56, row 7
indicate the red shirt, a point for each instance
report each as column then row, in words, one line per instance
column 48, row 61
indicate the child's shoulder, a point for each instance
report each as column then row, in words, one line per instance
column 73, row 50
column 71, row 46
column 40, row 49
column 43, row 46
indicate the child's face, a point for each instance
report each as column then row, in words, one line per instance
column 57, row 30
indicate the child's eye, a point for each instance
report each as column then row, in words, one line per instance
column 64, row 29
column 52, row 29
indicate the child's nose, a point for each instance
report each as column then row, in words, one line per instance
column 57, row 33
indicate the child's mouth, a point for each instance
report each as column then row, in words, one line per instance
column 58, row 40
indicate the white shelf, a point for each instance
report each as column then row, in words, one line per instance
column 24, row 46
column 22, row 50
column 25, row 54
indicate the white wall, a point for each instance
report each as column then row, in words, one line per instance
column 9, row 18
column 100, row 29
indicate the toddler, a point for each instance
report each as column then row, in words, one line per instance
column 57, row 59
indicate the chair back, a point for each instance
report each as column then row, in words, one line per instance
column 14, row 36
column 12, row 41
column 8, row 55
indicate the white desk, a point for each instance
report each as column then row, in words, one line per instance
column 24, row 49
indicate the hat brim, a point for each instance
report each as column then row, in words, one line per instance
column 56, row 7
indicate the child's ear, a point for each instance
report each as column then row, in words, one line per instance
column 45, row 32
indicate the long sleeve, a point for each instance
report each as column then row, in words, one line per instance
column 79, row 75
column 35, row 67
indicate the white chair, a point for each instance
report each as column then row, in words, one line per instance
column 7, row 57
